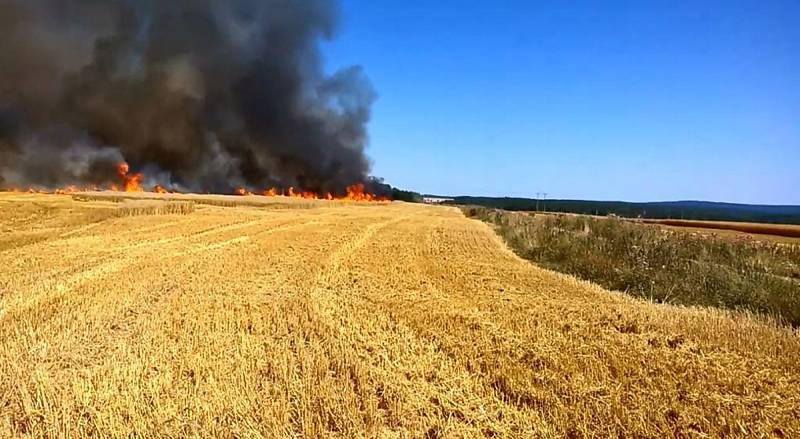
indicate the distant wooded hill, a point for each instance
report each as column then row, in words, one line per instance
column 691, row 210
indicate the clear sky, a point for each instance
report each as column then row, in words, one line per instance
column 612, row 100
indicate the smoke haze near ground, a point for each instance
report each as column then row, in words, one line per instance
column 201, row 95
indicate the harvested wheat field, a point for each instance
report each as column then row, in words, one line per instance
column 350, row 320
column 777, row 232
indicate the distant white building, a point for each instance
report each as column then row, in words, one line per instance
column 435, row 200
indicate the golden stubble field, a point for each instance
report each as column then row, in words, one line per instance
column 350, row 320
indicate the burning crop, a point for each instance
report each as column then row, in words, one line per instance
column 355, row 192
column 133, row 182
column 197, row 96
column 130, row 182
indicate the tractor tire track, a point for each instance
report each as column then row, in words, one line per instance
column 52, row 289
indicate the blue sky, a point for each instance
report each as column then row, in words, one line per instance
column 604, row 100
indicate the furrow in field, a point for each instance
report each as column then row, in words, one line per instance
column 88, row 327
column 55, row 261
column 48, row 288
column 604, row 343
column 398, row 378
column 207, row 321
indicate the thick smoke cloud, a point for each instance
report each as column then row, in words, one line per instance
column 202, row 95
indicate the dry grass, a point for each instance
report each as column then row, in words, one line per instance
column 393, row 320
column 662, row 265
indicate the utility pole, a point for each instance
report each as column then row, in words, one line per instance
column 538, row 194
column 544, row 201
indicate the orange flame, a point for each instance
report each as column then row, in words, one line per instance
column 130, row 182
column 355, row 192
column 66, row 190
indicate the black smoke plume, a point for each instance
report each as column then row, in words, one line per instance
column 200, row 95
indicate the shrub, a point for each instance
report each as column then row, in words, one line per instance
column 662, row 265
